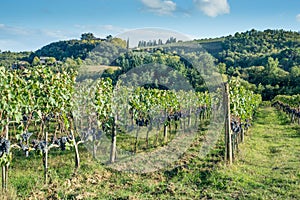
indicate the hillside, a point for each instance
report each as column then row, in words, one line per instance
column 76, row 48
column 252, row 47
column 268, row 59
column 245, row 49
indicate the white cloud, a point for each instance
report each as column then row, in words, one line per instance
column 113, row 28
column 161, row 7
column 55, row 34
column 99, row 30
column 18, row 38
column 14, row 30
column 213, row 8
column 298, row 17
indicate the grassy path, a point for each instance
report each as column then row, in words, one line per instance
column 268, row 165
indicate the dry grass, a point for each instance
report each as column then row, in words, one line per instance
column 98, row 68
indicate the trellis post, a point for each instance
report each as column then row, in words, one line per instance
column 228, row 142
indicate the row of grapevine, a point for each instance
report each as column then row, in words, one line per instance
column 243, row 105
column 31, row 100
column 290, row 105
column 104, row 111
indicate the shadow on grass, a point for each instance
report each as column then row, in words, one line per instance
column 297, row 130
column 200, row 172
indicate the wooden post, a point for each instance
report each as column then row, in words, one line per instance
column 157, row 133
column 165, row 139
column 165, row 133
column 113, row 149
column 46, row 159
column 196, row 119
column 242, row 135
column 94, row 149
column 77, row 157
column 170, row 127
column 228, row 142
column 148, row 131
column 5, row 168
column 190, row 117
column 136, row 139
column 3, row 179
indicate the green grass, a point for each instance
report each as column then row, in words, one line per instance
column 267, row 167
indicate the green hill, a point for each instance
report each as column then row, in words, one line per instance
column 269, row 59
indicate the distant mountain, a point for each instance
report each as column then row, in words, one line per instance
column 245, row 49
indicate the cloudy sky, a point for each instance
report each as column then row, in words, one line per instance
column 31, row 24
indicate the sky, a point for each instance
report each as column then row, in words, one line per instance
column 31, row 24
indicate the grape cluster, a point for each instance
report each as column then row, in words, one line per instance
column 246, row 124
column 25, row 136
column 25, row 139
column 201, row 109
column 176, row 116
column 142, row 122
column 236, row 126
column 4, row 146
column 25, row 118
column 62, row 141
column 39, row 145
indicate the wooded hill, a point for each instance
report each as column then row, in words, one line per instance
column 270, row 59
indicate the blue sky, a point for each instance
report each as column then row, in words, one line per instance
column 31, row 24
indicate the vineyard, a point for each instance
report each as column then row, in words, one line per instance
column 45, row 109
column 290, row 105
column 149, row 99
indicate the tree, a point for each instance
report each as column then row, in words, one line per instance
column 79, row 61
column 271, row 65
column 230, row 71
column 295, row 75
column 260, row 88
column 109, row 38
column 35, row 61
column 160, row 42
column 51, row 60
column 295, row 71
column 127, row 44
column 222, row 68
column 88, row 36
column 171, row 40
column 119, row 42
